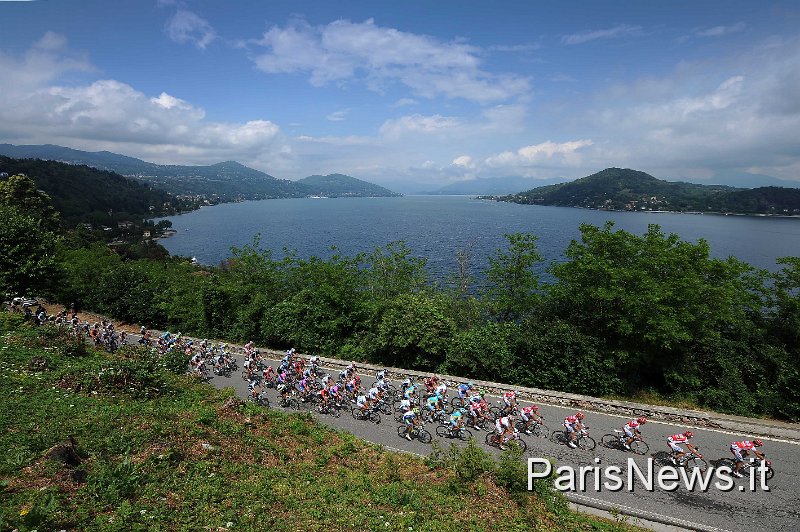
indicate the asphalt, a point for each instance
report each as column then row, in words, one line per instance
column 737, row 510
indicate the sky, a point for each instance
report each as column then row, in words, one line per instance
column 412, row 92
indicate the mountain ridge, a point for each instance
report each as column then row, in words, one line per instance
column 634, row 190
column 218, row 182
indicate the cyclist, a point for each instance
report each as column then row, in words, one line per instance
column 433, row 403
column 302, row 387
column 363, row 403
column 410, row 394
column 675, row 442
column 405, row 405
column 503, row 427
column 335, row 394
column 631, row 430
column 463, row 391
column 380, row 375
column 573, row 424
column 741, row 449
column 456, row 420
column 529, row 415
column 254, row 387
column 410, row 419
column 510, row 402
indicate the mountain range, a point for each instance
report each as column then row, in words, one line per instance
column 225, row 181
column 626, row 189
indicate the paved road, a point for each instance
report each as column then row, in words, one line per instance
column 737, row 510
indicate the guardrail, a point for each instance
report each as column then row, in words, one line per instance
column 693, row 418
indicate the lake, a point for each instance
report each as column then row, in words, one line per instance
column 437, row 227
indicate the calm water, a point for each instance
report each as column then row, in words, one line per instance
column 436, row 227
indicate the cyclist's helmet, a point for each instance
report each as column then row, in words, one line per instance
column 758, row 443
column 642, row 420
column 688, row 433
column 579, row 415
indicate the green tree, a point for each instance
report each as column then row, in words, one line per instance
column 28, row 253
column 392, row 271
column 513, row 284
column 20, row 191
column 653, row 296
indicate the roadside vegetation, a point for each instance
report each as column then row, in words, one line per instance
column 624, row 315
column 94, row 441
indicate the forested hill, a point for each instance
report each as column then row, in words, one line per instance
column 225, row 181
column 338, row 185
column 84, row 194
column 625, row 189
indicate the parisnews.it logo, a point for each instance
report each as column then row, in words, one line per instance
column 648, row 477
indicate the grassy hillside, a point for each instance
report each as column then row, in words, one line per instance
column 338, row 185
column 157, row 450
column 626, row 189
column 81, row 193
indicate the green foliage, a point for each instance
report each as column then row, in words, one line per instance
column 484, row 352
column 513, row 284
column 27, row 253
column 625, row 189
column 21, row 192
column 412, row 331
column 512, row 471
column 111, row 482
column 468, row 462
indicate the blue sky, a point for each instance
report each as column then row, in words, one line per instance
column 411, row 92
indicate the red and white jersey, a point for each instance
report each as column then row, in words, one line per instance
column 571, row 420
column 744, row 445
column 677, row 438
column 633, row 424
column 510, row 395
column 528, row 410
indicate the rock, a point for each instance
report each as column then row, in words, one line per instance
column 65, row 452
column 232, row 403
column 38, row 363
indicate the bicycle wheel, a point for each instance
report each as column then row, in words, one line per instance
column 490, row 439
column 540, row 430
column 610, row 441
column 557, row 436
column 356, row 412
column 587, row 443
column 495, row 412
column 335, row 412
column 639, row 447
column 456, row 402
column 521, row 443
column 386, row 409
column 696, row 462
column 375, row 417
column 442, row 431
column 263, row 401
column 424, row 436
column 401, row 431
column 464, row 434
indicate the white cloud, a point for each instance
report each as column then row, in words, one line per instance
column 609, row 33
column 718, row 31
column 418, row 124
column 108, row 114
column 546, row 154
column 464, row 161
column 338, row 116
column 186, row 26
column 404, row 102
column 738, row 112
column 345, row 51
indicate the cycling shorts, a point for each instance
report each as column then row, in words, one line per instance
column 570, row 428
column 675, row 447
column 737, row 452
column 628, row 431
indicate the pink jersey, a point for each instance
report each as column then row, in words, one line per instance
column 529, row 410
column 633, row 424
column 744, row 445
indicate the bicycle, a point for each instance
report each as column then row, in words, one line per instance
column 447, row 431
column 751, row 463
column 289, row 402
column 492, row 440
column 618, row 439
column 691, row 460
column 329, row 408
column 260, row 399
column 538, row 429
column 369, row 415
column 582, row 440
column 417, row 432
